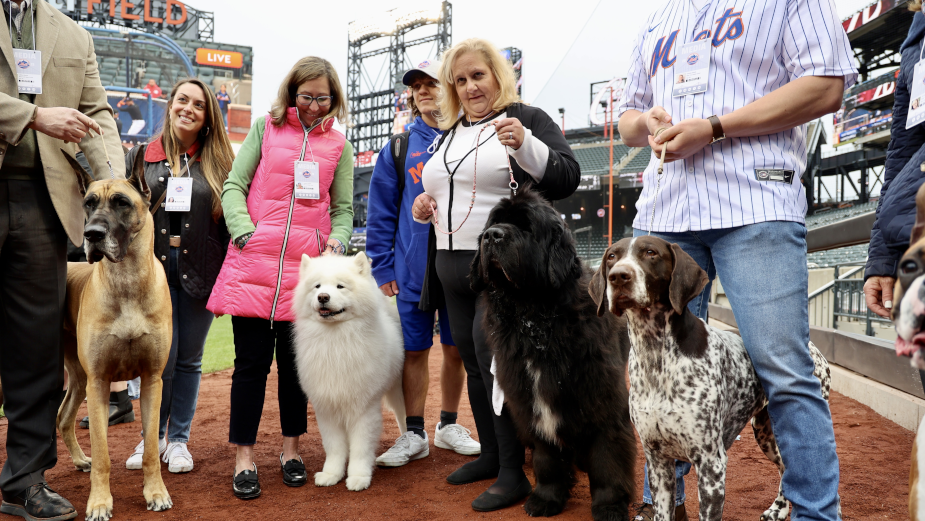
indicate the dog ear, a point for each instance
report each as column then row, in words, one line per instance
column 919, row 227
column 83, row 177
column 137, row 176
column 303, row 267
column 362, row 262
column 563, row 263
column 687, row 279
column 598, row 288
column 476, row 270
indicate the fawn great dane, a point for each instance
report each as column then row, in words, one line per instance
column 117, row 326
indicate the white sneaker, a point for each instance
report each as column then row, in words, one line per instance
column 134, row 461
column 178, row 458
column 458, row 439
column 409, row 446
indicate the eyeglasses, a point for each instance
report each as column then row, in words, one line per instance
column 306, row 100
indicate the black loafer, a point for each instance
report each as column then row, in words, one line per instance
column 38, row 503
column 470, row 473
column 490, row 502
column 294, row 474
column 246, row 484
column 120, row 410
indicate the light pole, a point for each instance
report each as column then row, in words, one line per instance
column 562, row 113
column 610, row 195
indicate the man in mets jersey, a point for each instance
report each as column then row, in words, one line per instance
column 731, row 194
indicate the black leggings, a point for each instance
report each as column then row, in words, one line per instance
column 497, row 434
column 254, row 343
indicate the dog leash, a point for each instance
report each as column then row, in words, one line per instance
column 112, row 175
column 658, row 179
column 475, row 168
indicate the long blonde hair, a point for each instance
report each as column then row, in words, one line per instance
column 448, row 100
column 306, row 69
column 216, row 152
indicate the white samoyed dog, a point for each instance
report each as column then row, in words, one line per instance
column 349, row 357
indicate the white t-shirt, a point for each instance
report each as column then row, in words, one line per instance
column 452, row 167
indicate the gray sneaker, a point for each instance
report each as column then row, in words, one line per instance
column 409, row 446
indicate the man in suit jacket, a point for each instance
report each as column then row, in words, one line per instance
column 40, row 209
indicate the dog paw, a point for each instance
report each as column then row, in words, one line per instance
column 83, row 465
column 358, row 483
column 541, row 507
column 323, row 479
column 158, row 500
column 775, row 514
column 99, row 512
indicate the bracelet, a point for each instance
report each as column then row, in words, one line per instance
column 340, row 249
column 241, row 241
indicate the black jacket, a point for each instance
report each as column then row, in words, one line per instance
column 203, row 241
column 560, row 181
column 889, row 237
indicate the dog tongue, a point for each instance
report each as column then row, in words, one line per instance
column 907, row 348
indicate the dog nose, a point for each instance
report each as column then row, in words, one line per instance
column 324, row 298
column 495, row 234
column 620, row 275
column 95, row 232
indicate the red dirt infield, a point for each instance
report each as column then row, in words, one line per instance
column 873, row 451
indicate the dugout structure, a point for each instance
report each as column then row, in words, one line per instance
column 374, row 70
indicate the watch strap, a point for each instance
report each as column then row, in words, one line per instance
column 718, row 132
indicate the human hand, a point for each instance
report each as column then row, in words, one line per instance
column 657, row 118
column 510, row 132
column 334, row 247
column 878, row 294
column 64, row 123
column 423, row 207
column 687, row 138
column 389, row 289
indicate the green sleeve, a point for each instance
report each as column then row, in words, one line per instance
column 342, row 197
column 234, row 191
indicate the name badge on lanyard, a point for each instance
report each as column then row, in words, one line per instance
column 692, row 69
column 28, row 70
column 307, row 180
column 179, row 194
column 917, row 95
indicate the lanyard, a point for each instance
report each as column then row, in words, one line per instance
column 31, row 16
column 307, row 130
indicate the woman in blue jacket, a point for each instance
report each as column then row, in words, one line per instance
column 903, row 175
column 398, row 248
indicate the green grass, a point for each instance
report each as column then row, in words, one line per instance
column 219, row 350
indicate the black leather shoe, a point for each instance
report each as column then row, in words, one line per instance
column 246, row 485
column 38, row 503
column 294, row 474
column 120, row 410
column 489, row 502
column 469, row 473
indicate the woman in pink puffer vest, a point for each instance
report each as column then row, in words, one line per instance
column 290, row 191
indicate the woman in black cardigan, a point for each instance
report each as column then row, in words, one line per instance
column 465, row 179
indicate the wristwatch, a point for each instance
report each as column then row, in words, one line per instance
column 718, row 133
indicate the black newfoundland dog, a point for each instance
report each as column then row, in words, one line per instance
column 562, row 369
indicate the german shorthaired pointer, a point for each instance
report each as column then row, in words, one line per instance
column 692, row 387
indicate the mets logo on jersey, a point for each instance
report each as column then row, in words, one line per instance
column 23, row 64
column 693, row 59
column 729, row 26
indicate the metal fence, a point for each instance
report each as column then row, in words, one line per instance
column 843, row 299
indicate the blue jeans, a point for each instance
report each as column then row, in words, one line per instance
column 191, row 322
column 764, row 274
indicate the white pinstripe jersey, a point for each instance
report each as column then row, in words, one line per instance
column 757, row 47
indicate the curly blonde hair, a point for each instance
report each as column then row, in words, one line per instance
column 448, row 100
column 306, row 69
